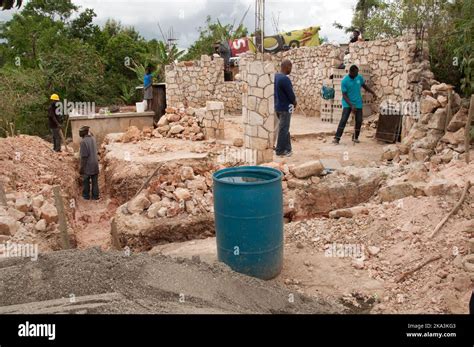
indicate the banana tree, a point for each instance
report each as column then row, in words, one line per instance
column 166, row 55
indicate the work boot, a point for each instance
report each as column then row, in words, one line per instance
column 335, row 141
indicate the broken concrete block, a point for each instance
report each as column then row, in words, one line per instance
column 439, row 187
column 138, row 204
column 438, row 120
column 440, row 88
column 187, row 173
column 295, row 183
column 132, row 134
column 49, row 213
column 348, row 212
column 163, row 121
column 420, row 154
column 396, row 191
column 373, row 250
column 428, row 104
column 41, row 225
column 8, row 225
column 390, row 152
column 182, row 194
column 37, row 201
column 311, row 168
column 458, row 121
column 172, row 118
column 153, row 210
column 454, row 138
column 154, row 198
column 23, row 204
column 443, row 100
column 18, row 215
column 176, row 129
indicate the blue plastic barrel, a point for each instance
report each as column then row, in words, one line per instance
column 248, row 208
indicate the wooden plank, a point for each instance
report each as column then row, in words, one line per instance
column 64, row 305
column 114, row 235
column 449, row 110
column 62, row 217
column 3, row 196
column 467, row 130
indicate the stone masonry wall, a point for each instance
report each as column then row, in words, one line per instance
column 194, row 83
column 258, row 116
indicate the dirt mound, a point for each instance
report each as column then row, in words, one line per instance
column 142, row 283
column 28, row 164
column 394, row 238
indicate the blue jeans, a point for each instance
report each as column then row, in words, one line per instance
column 86, row 187
column 346, row 112
column 284, row 140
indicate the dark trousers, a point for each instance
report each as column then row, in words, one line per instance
column 284, row 140
column 56, row 140
column 346, row 112
column 86, row 183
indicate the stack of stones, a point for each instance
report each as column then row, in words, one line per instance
column 258, row 114
column 212, row 119
column 176, row 123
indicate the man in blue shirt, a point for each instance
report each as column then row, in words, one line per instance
column 148, row 88
column 285, row 103
column 352, row 102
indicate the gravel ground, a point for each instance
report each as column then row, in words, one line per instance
column 145, row 284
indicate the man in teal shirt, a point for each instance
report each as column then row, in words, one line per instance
column 351, row 102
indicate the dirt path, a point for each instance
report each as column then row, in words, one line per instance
column 93, row 220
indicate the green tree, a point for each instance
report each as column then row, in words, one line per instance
column 210, row 34
column 446, row 26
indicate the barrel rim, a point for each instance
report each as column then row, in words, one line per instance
column 278, row 175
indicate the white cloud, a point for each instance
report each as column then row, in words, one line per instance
column 186, row 16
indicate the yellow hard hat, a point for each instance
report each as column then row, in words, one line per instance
column 55, row 97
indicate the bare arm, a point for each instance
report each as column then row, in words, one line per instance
column 346, row 98
column 367, row 88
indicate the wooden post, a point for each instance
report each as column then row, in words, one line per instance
column 114, row 236
column 467, row 130
column 449, row 110
column 3, row 197
column 62, row 217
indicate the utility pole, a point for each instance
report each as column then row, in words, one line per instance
column 260, row 24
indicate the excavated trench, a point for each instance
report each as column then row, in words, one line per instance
column 177, row 203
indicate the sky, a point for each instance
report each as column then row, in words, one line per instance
column 184, row 17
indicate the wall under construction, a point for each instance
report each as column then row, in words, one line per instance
column 194, row 83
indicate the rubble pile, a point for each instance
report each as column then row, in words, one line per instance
column 179, row 123
column 29, row 164
column 394, row 231
column 175, row 193
column 31, row 219
column 433, row 136
column 176, row 123
column 29, row 169
column 310, row 190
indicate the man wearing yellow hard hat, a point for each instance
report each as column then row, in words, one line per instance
column 54, row 122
